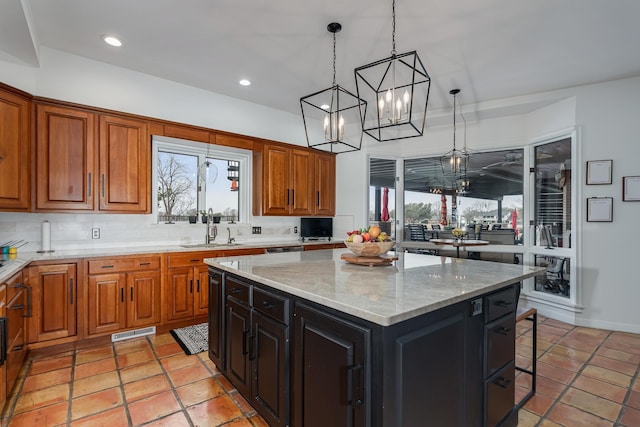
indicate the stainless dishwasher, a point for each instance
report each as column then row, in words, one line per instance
column 297, row 248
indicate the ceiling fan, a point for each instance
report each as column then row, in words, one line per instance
column 510, row 159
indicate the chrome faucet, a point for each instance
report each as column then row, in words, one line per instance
column 212, row 230
column 230, row 240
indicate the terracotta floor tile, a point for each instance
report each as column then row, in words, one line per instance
column 524, row 341
column 188, row 374
column 46, row 365
column 242, row 403
column 561, row 362
column 240, row 422
column 153, row 407
column 547, row 423
column 94, row 403
column 549, row 387
column 138, row 372
column 634, row 399
column 614, row 365
column 548, row 329
column 600, row 388
column 618, row 355
column 212, row 367
column 593, row 404
column 178, row 361
column 131, row 345
column 178, row 419
column 636, row 384
column 607, row 375
column 570, row 353
column 627, row 339
column 598, row 333
column 214, row 412
column 42, row 398
column 168, row 350
column 527, row 419
column 47, row 379
column 544, row 345
column 539, row 404
column 554, row 373
column 93, row 354
column 584, row 343
column 48, row 416
column 570, row 416
column 95, row 383
column 144, row 388
column 258, row 421
column 115, row 417
column 630, row 417
column 557, row 324
column 94, row 368
column 199, row 391
column 135, row 358
column 226, row 385
column 162, row 339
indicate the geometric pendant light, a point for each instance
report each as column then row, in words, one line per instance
column 332, row 117
column 396, row 89
column 455, row 162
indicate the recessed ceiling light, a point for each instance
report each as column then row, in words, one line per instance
column 324, row 106
column 244, row 82
column 112, row 41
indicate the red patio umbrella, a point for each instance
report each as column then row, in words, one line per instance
column 443, row 210
column 384, row 216
column 514, row 221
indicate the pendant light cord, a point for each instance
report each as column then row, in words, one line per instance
column 454, row 121
column 393, row 28
column 334, row 59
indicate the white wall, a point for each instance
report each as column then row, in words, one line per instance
column 605, row 114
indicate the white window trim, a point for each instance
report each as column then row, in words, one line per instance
column 202, row 150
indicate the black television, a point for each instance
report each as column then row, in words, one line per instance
column 316, row 228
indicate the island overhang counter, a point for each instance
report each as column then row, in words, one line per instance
column 311, row 340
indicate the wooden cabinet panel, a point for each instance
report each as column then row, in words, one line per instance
column 143, row 306
column 201, row 291
column 54, row 302
column 101, row 266
column 125, row 150
column 179, row 295
column 325, row 181
column 106, row 303
column 65, row 158
column 17, row 309
column 216, row 318
column 301, row 182
column 15, row 166
column 238, row 330
column 275, row 180
column 232, row 141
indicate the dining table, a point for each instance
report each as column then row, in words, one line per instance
column 457, row 243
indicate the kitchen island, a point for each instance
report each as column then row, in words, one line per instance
column 310, row 340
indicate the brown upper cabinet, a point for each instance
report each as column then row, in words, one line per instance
column 325, row 170
column 15, row 123
column 284, row 180
column 71, row 148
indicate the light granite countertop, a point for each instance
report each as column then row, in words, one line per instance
column 22, row 259
column 415, row 284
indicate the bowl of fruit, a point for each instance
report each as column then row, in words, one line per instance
column 369, row 241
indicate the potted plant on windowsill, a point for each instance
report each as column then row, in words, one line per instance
column 203, row 214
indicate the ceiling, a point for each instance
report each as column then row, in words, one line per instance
column 490, row 49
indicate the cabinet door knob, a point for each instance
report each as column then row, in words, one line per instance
column 502, row 303
column 502, row 382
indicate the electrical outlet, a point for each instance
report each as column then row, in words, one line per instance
column 295, row 230
column 95, row 233
column 256, row 230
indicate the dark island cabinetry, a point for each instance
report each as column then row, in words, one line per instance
column 302, row 364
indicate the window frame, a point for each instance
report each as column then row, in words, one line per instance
column 204, row 150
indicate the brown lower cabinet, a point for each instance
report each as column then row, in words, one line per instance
column 54, row 302
column 128, row 297
column 187, row 291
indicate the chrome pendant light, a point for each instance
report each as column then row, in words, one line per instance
column 397, row 90
column 332, row 117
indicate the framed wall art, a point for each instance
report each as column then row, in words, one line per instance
column 599, row 172
column 600, row 209
column 631, row 189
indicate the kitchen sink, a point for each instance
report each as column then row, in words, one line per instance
column 210, row 245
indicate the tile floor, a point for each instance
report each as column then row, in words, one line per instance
column 586, row 377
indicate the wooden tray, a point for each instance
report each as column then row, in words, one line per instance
column 368, row 260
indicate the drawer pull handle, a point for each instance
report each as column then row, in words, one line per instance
column 504, row 303
column 235, row 291
column 144, row 263
column 502, row 382
column 17, row 307
column 504, row 331
column 18, row 347
column 194, row 260
column 267, row 305
column 244, row 341
column 121, row 294
column 355, row 386
column 107, row 266
column 191, row 286
column 198, row 285
column 131, row 292
column 71, row 291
